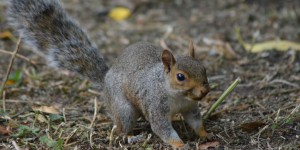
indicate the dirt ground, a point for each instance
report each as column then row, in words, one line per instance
column 262, row 112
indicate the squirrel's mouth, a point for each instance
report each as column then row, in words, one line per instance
column 196, row 94
column 196, row 98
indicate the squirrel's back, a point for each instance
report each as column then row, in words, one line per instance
column 138, row 56
column 44, row 25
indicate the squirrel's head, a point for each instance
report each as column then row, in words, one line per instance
column 186, row 76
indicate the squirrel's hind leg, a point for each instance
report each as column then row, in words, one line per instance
column 124, row 115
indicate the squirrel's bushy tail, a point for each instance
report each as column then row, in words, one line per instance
column 45, row 25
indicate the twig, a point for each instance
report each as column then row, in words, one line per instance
column 225, row 130
column 277, row 115
column 232, row 128
column 290, row 115
column 239, row 37
column 94, row 92
column 69, row 137
column 222, row 97
column 147, row 140
column 60, row 133
column 221, row 137
column 260, row 105
column 59, row 126
column 111, row 136
column 294, row 110
column 64, row 115
column 285, row 82
column 18, row 101
column 19, row 56
column 70, row 144
column 122, row 147
column 260, row 131
column 284, row 91
column 16, row 145
column 95, row 112
column 91, row 138
column 4, row 102
column 183, row 123
column 93, row 121
column 10, row 66
column 76, row 148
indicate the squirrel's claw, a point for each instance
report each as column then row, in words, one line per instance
column 205, row 135
column 202, row 133
column 176, row 143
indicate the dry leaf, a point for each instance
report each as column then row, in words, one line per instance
column 10, row 82
column 280, row 45
column 46, row 109
column 119, row 13
column 240, row 107
column 270, row 45
column 214, row 144
column 4, row 130
column 41, row 118
column 6, row 35
column 252, row 126
column 222, row 48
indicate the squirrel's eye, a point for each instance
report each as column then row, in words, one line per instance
column 180, row 77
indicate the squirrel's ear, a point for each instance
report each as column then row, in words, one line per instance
column 167, row 59
column 191, row 49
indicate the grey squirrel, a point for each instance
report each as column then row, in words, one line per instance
column 144, row 81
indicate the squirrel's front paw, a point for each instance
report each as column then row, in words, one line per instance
column 202, row 133
column 176, row 143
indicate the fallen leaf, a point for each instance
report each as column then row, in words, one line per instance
column 10, row 82
column 214, row 144
column 223, row 48
column 15, row 78
column 252, row 126
column 23, row 131
column 46, row 109
column 216, row 115
column 119, row 13
column 54, row 117
column 240, row 107
column 51, row 143
column 41, row 118
column 280, row 45
column 6, row 35
column 4, row 130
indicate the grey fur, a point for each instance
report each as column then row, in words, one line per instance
column 44, row 25
column 136, row 85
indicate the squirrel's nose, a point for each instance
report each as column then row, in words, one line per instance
column 201, row 91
